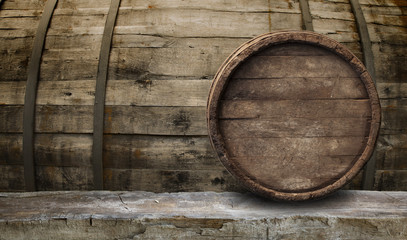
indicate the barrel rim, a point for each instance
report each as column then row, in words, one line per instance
column 256, row 45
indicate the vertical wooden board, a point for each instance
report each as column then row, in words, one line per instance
column 11, row 179
column 159, row 152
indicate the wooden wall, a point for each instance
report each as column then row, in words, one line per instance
column 164, row 55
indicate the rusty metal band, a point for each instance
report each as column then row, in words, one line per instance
column 101, row 79
column 306, row 15
column 30, row 96
column 366, row 44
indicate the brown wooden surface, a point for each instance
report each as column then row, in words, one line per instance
column 293, row 126
column 182, row 43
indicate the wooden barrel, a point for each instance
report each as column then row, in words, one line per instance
column 151, row 134
column 293, row 115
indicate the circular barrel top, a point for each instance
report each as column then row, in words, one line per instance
column 293, row 115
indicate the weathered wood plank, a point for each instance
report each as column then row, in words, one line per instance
column 215, row 5
column 387, row 34
column 74, row 178
column 294, row 66
column 11, row 150
column 71, row 150
column 295, row 147
column 118, row 120
column 392, row 159
column 292, row 108
column 294, row 127
column 336, row 29
column 150, row 63
column 11, row 179
column 120, row 151
column 63, row 178
column 391, row 180
column 203, row 23
column 327, row 10
column 154, row 152
column 138, row 93
column 391, row 151
column 392, row 90
column 398, row 3
column 295, row 88
column 170, row 181
column 394, row 115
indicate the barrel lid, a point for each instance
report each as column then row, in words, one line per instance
column 293, row 115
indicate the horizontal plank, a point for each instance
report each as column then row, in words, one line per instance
column 294, row 66
column 294, row 173
column 146, row 63
column 149, row 152
column 386, row 180
column 39, row 4
column 295, row 88
column 120, row 151
column 392, row 159
column 71, row 150
column 77, row 21
column 63, row 178
column 294, row 127
column 291, row 108
column 170, row 181
column 387, row 34
column 339, row 30
column 153, row 180
column 394, row 113
column 328, row 10
column 11, row 178
column 396, row 3
column 125, row 92
column 11, row 149
column 296, row 148
column 392, row 90
column 118, row 120
column 215, row 5
column 203, row 23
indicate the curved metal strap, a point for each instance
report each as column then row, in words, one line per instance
column 30, row 96
column 369, row 171
column 306, row 15
column 101, row 78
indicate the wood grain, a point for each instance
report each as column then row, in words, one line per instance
column 279, row 122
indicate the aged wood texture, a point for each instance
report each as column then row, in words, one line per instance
column 387, row 27
column 163, row 55
column 293, row 145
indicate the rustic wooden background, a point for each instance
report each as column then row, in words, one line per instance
column 164, row 55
